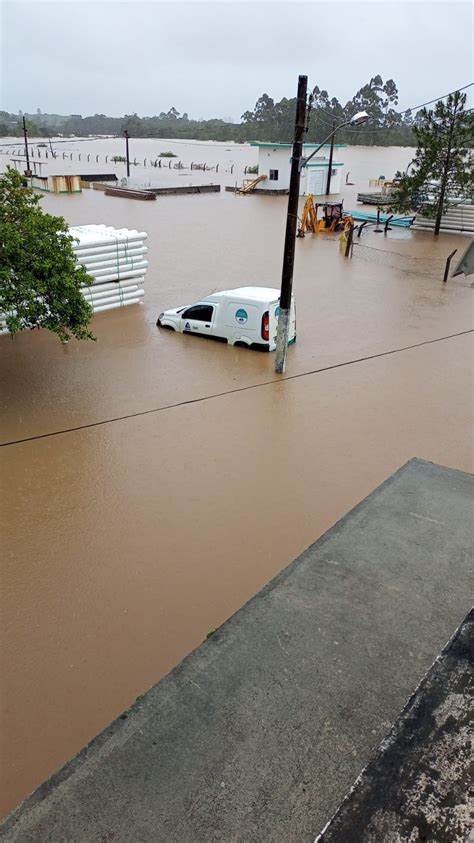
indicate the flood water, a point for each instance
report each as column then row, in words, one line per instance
column 142, row 522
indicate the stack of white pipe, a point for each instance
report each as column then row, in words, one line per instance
column 115, row 260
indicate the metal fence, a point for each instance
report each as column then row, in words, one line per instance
column 411, row 264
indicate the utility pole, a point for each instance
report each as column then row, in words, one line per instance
column 331, row 153
column 291, row 225
column 127, row 135
column 25, row 135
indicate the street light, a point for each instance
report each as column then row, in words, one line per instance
column 297, row 163
column 357, row 120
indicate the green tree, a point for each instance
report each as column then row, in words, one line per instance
column 442, row 169
column 39, row 280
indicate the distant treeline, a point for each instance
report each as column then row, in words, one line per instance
column 269, row 121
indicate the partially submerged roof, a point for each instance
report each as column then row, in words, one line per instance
column 248, row 293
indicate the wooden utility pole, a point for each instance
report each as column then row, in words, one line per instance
column 291, row 225
column 127, row 135
column 331, row 153
column 25, row 135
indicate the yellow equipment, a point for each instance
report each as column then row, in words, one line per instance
column 334, row 218
column 309, row 217
column 247, row 188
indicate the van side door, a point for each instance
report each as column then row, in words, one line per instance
column 198, row 319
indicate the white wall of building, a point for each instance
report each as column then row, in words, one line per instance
column 274, row 163
column 274, row 158
column 316, row 180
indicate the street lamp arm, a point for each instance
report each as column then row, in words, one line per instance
column 304, row 161
column 357, row 120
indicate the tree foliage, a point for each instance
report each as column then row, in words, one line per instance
column 39, row 280
column 268, row 120
column 442, row 169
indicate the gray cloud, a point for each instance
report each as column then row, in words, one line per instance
column 215, row 59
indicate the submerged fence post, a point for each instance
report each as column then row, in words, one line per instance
column 361, row 227
column 350, row 237
column 448, row 262
column 386, row 226
column 377, row 230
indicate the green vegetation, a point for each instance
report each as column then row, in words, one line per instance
column 119, row 159
column 252, row 169
column 268, row 121
column 39, row 280
column 167, row 155
column 442, row 169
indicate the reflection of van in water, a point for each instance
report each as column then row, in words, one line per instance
column 247, row 316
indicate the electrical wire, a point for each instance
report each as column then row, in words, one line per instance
column 215, row 395
column 398, row 113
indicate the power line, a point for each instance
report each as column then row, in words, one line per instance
column 234, row 391
column 399, row 113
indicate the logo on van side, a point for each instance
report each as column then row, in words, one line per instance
column 241, row 316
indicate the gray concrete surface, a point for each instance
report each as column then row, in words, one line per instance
column 419, row 785
column 260, row 732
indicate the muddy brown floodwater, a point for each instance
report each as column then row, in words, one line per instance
column 127, row 539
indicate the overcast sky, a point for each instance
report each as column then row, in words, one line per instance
column 217, row 58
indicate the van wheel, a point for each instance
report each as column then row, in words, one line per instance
column 240, row 344
column 167, row 328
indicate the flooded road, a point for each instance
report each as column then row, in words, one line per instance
column 128, row 539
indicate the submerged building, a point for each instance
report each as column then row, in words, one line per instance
column 274, row 162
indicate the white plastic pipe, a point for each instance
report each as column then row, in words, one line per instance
column 119, row 269
column 83, row 242
column 107, row 294
column 107, row 251
column 118, row 301
column 112, row 285
column 114, row 276
column 117, row 297
column 110, row 259
column 113, row 306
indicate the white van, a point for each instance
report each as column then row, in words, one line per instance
column 247, row 316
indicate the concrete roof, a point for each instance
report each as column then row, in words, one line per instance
column 260, row 732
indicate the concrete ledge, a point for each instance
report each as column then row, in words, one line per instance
column 262, row 190
column 130, row 193
column 417, row 786
column 190, row 188
column 260, row 732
